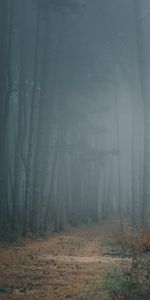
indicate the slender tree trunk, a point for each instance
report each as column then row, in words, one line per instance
column 4, row 101
column 116, row 116
column 17, row 194
column 32, row 130
column 144, row 66
column 41, row 150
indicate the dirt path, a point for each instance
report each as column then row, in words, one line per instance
column 63, row 267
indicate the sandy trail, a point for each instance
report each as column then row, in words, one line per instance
column 62, row 267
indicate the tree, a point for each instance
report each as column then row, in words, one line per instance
column 144, row 67
column 6, row 22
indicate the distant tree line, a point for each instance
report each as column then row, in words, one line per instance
column 49, row 174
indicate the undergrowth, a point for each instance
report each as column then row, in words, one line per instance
column 132, row 280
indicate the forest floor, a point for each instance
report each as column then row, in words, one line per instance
column 68, row 265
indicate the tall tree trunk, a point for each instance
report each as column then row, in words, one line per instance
column 17, row 194
column 144, row 66
column 32, row 130
column 116, row 116
column 4, row 111
column 41, row 150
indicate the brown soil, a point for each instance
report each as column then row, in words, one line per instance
column 62, row 267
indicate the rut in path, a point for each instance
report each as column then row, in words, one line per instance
column 90, row 252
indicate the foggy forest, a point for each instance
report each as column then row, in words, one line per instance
column 75, row 149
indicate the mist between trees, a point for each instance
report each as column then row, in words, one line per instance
column 74, row 113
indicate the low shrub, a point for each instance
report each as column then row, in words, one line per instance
column 117, row 284
column 132, row 280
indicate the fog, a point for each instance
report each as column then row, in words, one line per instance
column 74, row 113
